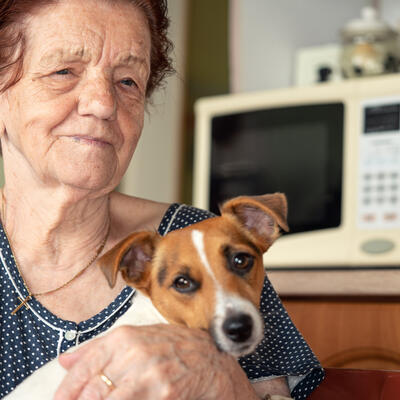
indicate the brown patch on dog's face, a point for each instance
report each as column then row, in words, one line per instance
column 185, row 291
column 178, row 283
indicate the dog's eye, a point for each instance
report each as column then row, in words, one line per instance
column 184, row 284
column 242, row 262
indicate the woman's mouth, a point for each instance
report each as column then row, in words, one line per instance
column 89, row 140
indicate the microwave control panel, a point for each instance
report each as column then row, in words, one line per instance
column 379, row 168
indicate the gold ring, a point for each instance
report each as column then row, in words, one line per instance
column 107, row 381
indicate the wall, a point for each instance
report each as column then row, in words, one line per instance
column 154, row 170
column 266, row 33
column 206, row 72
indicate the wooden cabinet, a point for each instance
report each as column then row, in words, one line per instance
column 349, row 331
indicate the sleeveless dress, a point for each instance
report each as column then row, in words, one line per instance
column 34, row 336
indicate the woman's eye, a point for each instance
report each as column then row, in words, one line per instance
column 64, row 71
column 184, row 284
column 128, row 82
column 242, row 261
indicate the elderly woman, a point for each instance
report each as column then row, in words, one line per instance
column 75, row 77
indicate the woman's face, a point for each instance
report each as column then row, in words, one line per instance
column 77, row 113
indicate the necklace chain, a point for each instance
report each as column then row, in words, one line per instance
column 24, row 302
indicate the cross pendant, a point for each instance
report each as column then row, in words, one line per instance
column 24, row 302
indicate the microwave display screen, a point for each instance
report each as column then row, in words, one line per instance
column 382, row 118
column 294, row 150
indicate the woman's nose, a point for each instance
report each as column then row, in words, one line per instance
column 97, row 98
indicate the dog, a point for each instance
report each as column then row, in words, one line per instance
column 208, row 275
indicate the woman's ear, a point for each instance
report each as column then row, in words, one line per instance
column 3, row 108
column 3, row 131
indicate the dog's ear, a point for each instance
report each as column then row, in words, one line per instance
column 132, row 257
column 262, row 215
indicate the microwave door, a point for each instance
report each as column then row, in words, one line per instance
column 295, row 150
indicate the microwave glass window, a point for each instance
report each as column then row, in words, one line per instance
column 294, row 150
column 382, row 118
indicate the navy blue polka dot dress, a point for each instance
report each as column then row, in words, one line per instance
column 34, row 336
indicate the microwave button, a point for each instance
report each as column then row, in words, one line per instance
column 369, row 217
column 381, row 176
column 367, row 177
column 390, row 217
column 377, row 246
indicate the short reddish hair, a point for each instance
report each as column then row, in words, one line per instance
column 12, row 39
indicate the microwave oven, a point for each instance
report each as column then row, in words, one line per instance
column 333, row 149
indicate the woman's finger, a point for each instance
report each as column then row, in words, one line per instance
column 67, row 360
column 86, row 367
column 152, row 389
column 98, row 388
column 147, row 377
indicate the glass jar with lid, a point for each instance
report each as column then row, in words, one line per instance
column 369, row 46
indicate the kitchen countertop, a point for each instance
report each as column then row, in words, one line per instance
column 345, row 282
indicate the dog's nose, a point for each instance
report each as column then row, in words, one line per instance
column 238, row 327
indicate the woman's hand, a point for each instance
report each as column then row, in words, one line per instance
column 153, row 362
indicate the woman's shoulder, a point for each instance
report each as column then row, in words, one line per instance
column 136, row 214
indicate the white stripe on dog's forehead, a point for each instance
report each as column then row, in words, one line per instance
column 198, row 241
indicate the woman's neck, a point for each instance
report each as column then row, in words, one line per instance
column 54, row 230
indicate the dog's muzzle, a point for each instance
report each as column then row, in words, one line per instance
column 237, row 327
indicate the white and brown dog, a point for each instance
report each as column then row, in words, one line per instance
column 208, row 275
